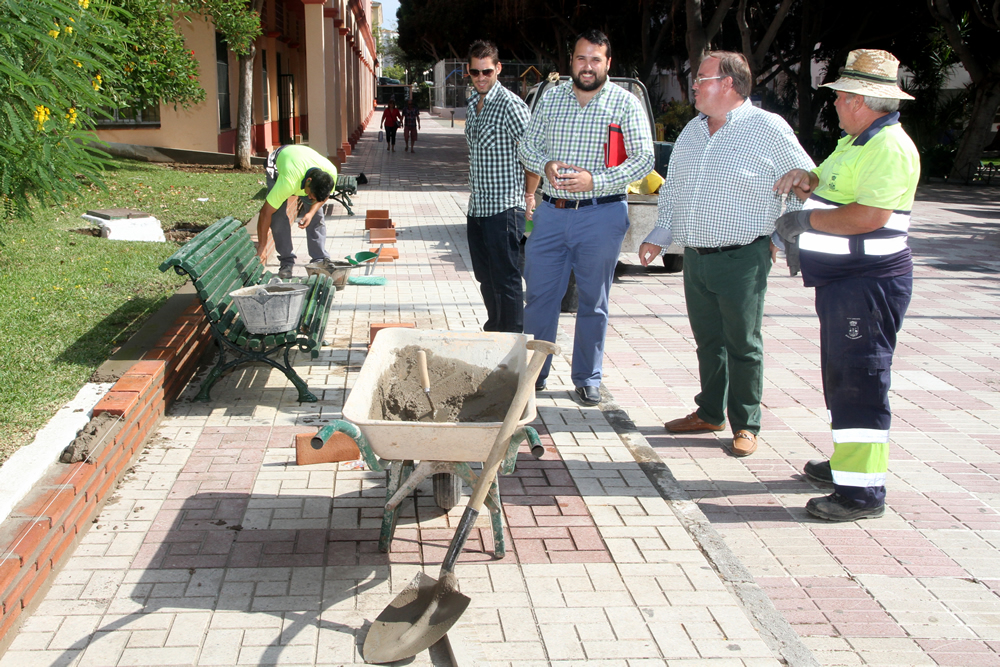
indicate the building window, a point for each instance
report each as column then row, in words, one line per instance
column 265, row 91
column 129, row 117
column 222, row 69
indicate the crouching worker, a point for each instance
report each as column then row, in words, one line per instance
column 295, row 172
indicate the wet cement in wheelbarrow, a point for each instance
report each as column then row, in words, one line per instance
column 461, row 391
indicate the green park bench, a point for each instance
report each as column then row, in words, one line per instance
column 346, row 186
column 222, row 258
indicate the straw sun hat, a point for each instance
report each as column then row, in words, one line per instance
column 870, row 72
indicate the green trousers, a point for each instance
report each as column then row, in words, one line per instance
column 724, row 292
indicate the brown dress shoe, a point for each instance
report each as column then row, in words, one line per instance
column 691, row 424
column 744, row 443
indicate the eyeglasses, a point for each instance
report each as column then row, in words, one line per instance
column 702, row 79
column 485, row 72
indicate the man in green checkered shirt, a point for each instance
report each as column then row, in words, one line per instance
column 583, row 216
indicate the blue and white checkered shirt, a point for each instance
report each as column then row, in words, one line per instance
column 560, row 129
column 496, row 178
column 719, row 188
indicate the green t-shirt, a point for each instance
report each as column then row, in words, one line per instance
column 292, row 164
column 883, row 172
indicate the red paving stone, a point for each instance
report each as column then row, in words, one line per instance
column 547, row 520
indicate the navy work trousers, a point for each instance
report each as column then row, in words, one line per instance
column 495, row 244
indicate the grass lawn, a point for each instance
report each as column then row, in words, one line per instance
column 68, row 300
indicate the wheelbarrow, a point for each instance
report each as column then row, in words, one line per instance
column 411, row 451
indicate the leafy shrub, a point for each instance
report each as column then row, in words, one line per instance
column 674, row 118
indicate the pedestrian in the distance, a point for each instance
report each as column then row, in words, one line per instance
column 390, row 119
column 411, row 121
column 718, row 201
column 495, row 122
column 583, row 216
column 851, row 238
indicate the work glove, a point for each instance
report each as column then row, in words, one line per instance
column 793, row 223
column 789, row 226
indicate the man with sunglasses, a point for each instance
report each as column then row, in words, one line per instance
column 494, row 123
column 583, row 216
column 718, row 202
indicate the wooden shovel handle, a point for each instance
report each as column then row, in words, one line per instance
column 425, row 378
column 541, row 349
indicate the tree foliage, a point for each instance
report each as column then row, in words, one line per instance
column 58, row 69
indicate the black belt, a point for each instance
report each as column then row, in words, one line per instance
column 580, row 203
column 709, row 251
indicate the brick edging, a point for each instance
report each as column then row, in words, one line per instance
column 38, row 536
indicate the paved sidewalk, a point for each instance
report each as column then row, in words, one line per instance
column 218, row 550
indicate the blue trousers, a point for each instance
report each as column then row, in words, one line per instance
column 587, row 242
column 495, row 246
column 859, row 319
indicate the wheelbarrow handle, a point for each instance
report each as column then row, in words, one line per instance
column 525, row 387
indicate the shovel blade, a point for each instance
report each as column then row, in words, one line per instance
column 416, row 619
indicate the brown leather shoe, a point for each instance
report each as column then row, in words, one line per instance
column 744, row 443
column 691, row 424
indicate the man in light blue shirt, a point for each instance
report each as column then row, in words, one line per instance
column 718, row 202
column 583, row 216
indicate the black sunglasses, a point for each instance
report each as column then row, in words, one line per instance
column 484, row 72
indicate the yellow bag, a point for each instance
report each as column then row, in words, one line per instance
column 651, row 184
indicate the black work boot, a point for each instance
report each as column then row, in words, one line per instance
column 818, row 470
column 835, row 507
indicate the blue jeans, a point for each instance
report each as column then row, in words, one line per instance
column 495, row 244
column 585, row 241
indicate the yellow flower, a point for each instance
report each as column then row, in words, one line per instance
column 42, row 114
column 96, row 83
column 54, row 34
column 83, row 3
column 78, row 63
column 68, row 29
column 71, row 115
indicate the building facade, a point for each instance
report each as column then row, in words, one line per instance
column 313, row 82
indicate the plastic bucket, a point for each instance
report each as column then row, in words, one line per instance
column 337, row 270
column 268, row 309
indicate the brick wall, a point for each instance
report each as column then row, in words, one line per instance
column 42, row 529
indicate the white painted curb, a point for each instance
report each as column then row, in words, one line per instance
column 27, row 465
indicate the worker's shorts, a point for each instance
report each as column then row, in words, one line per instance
column 409, row 134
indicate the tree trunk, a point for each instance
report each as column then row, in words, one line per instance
column 984, row 109
column 244, row 116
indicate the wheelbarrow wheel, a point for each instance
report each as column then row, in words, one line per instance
column 447, row 490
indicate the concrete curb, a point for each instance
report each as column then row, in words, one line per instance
column 48, row 521
column 774, row 629
column 28, row 465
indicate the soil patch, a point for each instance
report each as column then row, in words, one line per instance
column 210, row 168
column 461, row 392
column 183, row 232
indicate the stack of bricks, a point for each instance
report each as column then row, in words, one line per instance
column 381, row 230
column 43, row 527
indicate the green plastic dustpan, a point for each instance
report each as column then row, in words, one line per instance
column 361, row 257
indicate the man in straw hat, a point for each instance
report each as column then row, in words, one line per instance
column 850, row 239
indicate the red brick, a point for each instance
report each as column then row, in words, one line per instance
column 11, row 619
column 552, row 532
column 10, row 568
column 12, row 596
column 148, row 367
column 37, row 582
column 376, row 213
column 375, row 328
column 116, row 403
column 77, row 475
column 52, row 502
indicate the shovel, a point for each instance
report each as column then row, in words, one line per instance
column 425, row 610
column 425, row 382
